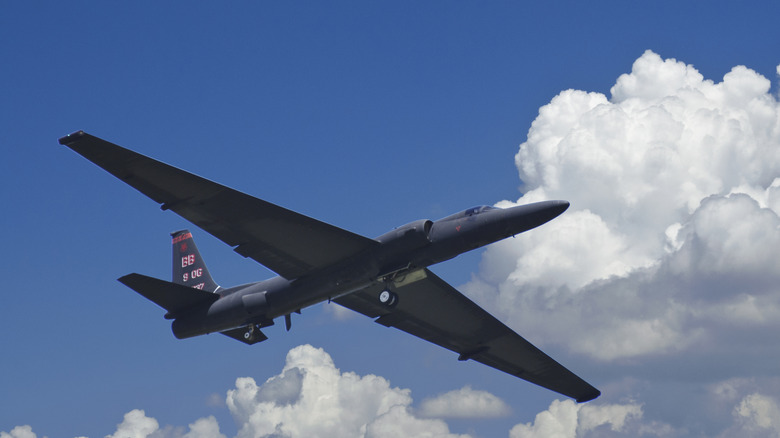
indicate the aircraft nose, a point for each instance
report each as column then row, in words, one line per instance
column 524, row 217
column 558, row 207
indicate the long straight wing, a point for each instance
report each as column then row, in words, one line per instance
column 287, row 242
column 435, row 311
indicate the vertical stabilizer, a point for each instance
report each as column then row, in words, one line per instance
column 189, row 269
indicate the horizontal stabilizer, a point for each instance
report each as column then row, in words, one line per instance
column 247, row 335
column 170, row 296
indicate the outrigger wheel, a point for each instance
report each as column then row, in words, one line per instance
column 388, row 298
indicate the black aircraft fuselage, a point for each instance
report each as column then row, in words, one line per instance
column 402, row 252
column 386, row 278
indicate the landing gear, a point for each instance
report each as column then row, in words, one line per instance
column 388, row 298
column 250, row 333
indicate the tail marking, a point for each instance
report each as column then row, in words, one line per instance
column 189, row 269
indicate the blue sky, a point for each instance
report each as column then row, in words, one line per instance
column 367, row 116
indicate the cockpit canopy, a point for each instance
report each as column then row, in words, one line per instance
column 469, row 212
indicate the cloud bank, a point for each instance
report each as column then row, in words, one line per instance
column 310, row 397
column 664, row 271
column 675, row 190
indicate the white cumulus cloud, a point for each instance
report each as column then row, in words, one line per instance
column 673, row 227
column 19, row 432
column 758, row 415
column 313, row 398
column 135, row 425
column 204, row 428
column 310, row 397
column 567, row 419
column 664, row 270
column 464, row 403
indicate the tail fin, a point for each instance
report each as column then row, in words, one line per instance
column 189, row 269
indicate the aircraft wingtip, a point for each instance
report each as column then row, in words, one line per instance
column 589, row 397
column 70, row 138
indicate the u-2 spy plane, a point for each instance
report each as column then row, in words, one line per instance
column 385, row 278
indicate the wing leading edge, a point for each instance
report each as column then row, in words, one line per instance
column 287, row 242
column 433, row 310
